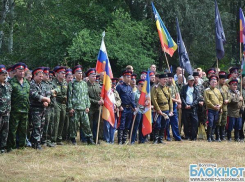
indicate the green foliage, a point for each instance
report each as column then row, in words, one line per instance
column 51, row 32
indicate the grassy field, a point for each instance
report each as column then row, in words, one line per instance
column 139, row 162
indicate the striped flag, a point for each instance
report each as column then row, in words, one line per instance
column 103, row 58
column 145, row 97
column 242, row 30
column 107, row 94
column 167, row 43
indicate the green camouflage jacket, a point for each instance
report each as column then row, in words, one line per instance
column 78, row 98
column 20, row 96
column 5, row 98
column 37, row 92
column 61, row 88
column 48, row 86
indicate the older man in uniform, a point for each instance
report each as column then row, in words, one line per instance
column 78, row 106
column 162, row 102
column 128, row 104
column 39, row 99
column 5, row 107
column 19, row 107
column 60, row 104
column 96, row 101
column 214, row 101
column 220, row 126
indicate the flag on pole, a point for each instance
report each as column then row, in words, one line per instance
column 183, row 55
column 219, row 34
column 103, row 58
column 167, row 43
column 145, row 97
column 106, row 92
column 242, row 30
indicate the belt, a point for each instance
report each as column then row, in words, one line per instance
column 126, row 106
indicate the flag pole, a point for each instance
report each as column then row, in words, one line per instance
column 166, row 59
column 241, row 66
column 98, row 126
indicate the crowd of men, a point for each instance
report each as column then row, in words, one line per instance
column 46, row 107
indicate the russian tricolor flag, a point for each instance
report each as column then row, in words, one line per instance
column 145, row 100
column 103, row 65
column 103, row 59
column 242, row 30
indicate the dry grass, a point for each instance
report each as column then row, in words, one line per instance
column 117, row 163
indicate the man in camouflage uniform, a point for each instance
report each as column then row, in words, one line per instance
column 49, row 111
column 60, row 104
column 162, row 102
column 65, row 134
column 173, row 120
column 220, row 126
column 78, row 105
column 39, row 99
column 5, row 107
column 19, row 107
column 214, row 101
column 94, row 92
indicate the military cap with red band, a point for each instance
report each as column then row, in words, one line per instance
column 127, row 73
column 69, row 71
column 222, row 74
column 51, row 72
column 233, row 81
column 46, row 70
column 78, row 68
column 140, row 81
column 3, row 69
column 152, row 73
column 133, row 76
column 114, row 80
column 35, row 71
column 59, row 69
column 143, row 73
column 90, row 72
column 20, row 66
column 213, row 77
column 10, row 68
column 211, row 70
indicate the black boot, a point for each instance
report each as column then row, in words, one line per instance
column 209, row 131
column 161, row 135
column 125, row 134
column 156, row 136
column 90, row 141
column 237, row 139
column 229, row 136
column 222, row 133
column 212, row 134
column 119, row 136
column 217, row 134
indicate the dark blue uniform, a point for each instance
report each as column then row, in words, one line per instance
column 128, row 102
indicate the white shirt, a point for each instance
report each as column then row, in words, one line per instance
column 189, row 95
column 176, row 78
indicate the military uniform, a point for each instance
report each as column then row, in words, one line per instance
column 128, row 102
column 59, row 108
column 223, row 115
column 19, row 111
column 173, row 120
column 5, row 107
column 94, row 92
column 212, row 97
column 78, row 100
column 37, row 92
column 162, row 101
column 234, row 113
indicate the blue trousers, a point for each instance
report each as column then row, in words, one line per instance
column 235, row 123
column 174, row 124
column 213, row 118
column 161, row 122
column 137, row 122
column 126, row 119
column 109, row 131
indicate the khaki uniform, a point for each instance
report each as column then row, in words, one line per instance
column 212, row 97
column 226, row 96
